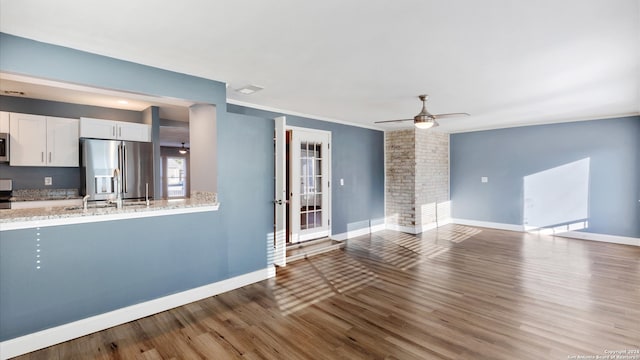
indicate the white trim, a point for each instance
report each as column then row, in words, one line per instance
column 624, row 240
column 414, row 230
column 296, row 234
column 487, row 224
column 280, row 191
column 308, row 116
column 41, row 339
column 299, row 128
column 91, row 218
column 549, row 122
column 406, row 229
column 355, row 233
column 615, row 239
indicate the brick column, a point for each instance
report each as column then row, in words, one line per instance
column 417, row 179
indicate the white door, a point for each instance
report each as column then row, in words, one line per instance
column 280, row 194
column 309, row 169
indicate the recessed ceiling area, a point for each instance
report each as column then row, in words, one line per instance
column 506, row 63
column 171, row 109
column 177, row 111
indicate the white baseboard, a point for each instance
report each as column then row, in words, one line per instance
column 487, row 224
column 359, row 232
column 624, row 240
column 418, row 228
column 406, row 229
column 41, row 339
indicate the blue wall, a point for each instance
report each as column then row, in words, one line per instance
column 88, row 269
column 506, row 156
column 357, row 156
column 180, row 252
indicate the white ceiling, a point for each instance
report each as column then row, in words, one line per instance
column 506, row 62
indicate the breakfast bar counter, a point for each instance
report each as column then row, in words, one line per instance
column 65, row 215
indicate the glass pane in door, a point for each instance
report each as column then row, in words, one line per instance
column 310, row 185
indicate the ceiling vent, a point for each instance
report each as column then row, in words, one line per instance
column 249, row 89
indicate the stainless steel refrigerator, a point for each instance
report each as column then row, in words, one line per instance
column 99, row 160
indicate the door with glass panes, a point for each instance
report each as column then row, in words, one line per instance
column 309, row 179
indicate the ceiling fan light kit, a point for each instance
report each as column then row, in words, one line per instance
column 425, row 120
column 183, row 150
column 425, row 124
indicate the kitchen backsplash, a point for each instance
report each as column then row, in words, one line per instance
column 44, row 194
column 32, row 177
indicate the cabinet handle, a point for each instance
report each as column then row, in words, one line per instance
column 120, row 131
column 42, row 156
column 113, row 131
column 49, row 156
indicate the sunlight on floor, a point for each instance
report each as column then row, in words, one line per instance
column 318, row 278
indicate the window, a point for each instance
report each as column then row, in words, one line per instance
column 175, row 174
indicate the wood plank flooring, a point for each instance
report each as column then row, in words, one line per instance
column 457, row 292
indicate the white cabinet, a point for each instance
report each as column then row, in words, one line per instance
column 134, row 132
column 43, row 141
column 97, row 129
column 4, row 122
column 115, row 130
column 63, row 146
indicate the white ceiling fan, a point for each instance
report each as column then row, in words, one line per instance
column 425, row 120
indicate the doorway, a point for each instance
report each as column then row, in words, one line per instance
column 302, row 194
column 308, row 184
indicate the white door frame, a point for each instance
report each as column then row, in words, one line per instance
column 295, row 234
column 280, row 193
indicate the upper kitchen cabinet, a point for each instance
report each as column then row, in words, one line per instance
column 43, row 141
column 114, row 130
column 4, row 122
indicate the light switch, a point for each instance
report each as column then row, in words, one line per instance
column 341, row 182
column 48, row 180
column 484, row 179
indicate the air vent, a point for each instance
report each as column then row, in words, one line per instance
column 249, row 89
column 14, row 93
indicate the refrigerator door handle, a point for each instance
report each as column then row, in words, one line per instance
column 120, row 155
column 124, row 169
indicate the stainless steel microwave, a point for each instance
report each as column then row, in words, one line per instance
column 4, row 147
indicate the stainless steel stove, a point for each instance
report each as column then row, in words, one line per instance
column 6, row 190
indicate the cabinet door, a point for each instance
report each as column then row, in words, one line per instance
column 63, row 142
column 134, row 132
column 4, row 122
column 97, row 128
column 28, row 143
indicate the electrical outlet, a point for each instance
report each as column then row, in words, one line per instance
column 48, row 180
column 484, row 179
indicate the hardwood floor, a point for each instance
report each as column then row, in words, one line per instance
column 453, row 293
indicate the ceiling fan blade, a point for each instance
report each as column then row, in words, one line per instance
column 389, row 121
column 443, row 116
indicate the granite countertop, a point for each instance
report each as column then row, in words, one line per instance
column 44, row 194
column 130, row 209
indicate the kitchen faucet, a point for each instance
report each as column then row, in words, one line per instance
column 118, row 188
column 84, row 202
